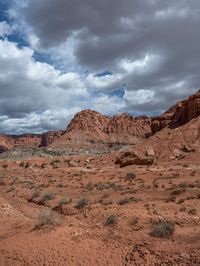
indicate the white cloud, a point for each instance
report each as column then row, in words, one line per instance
column 112, row 105
column 5, row 29
column 139, row 97
column 106, row 82
column 33, row 41
column 36, row 97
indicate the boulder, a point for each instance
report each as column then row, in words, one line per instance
column 150, row 152
column 129, row 158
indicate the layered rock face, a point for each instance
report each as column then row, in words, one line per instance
column 12, row 141
column 50, row 137
column 178, row 114
column 92, row 121
column 27, row 140
column 90, row 129
column 186, row 110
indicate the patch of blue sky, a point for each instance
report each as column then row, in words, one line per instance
column 104, row 73
column 4, row 6
column 157, row 113
column 18, row 38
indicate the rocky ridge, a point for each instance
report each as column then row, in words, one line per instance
column 90, row 129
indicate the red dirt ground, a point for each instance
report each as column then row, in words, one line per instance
column 80, row 236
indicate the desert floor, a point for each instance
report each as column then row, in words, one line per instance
column 85, row 210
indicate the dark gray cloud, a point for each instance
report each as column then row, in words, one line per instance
column 115, row 30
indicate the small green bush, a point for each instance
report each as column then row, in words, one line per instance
column 60, row 185
column 130, row 176
column 64, row 201
column 46, row 218
column 46, row 197
column 177, row 191
column 162, row 229
column 192, row 211
column 82, row 203
column 112, row 219
column 10, row 188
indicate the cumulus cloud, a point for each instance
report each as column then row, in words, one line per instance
column 35, row 96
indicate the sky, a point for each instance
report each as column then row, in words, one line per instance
column 112, row 56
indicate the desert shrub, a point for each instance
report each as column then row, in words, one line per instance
column 198, row 184
column 64, row 201
column 130, row 176
column 171, row 198
column 180, row 201
column 60, row 185
column 184, row 185
column 5, row 166
column 162, row 229
column 147, row 206
column 82, row 203
column 177, row 191
column 192, row 211
column 54, row 162
column 134, row 221
column 105, row 202
column 198, row 196
column 10, row 188
column 46, row 218
column 46, row 197
column 128, row 200
column 186, row 165
column 105, row 195
column 183, row 209
column 111, row 220
column 89, row 186
column 34, row 195
column 15, row 178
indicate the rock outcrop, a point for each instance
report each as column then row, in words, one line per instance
column 50, row 136
column 92, row 121
column 186, row 110
column 12, row 141
column 90, row 129
column 179, row 114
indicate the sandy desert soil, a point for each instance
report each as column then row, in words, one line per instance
column 78, row 194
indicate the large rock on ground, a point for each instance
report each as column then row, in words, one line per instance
column 129, row 158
